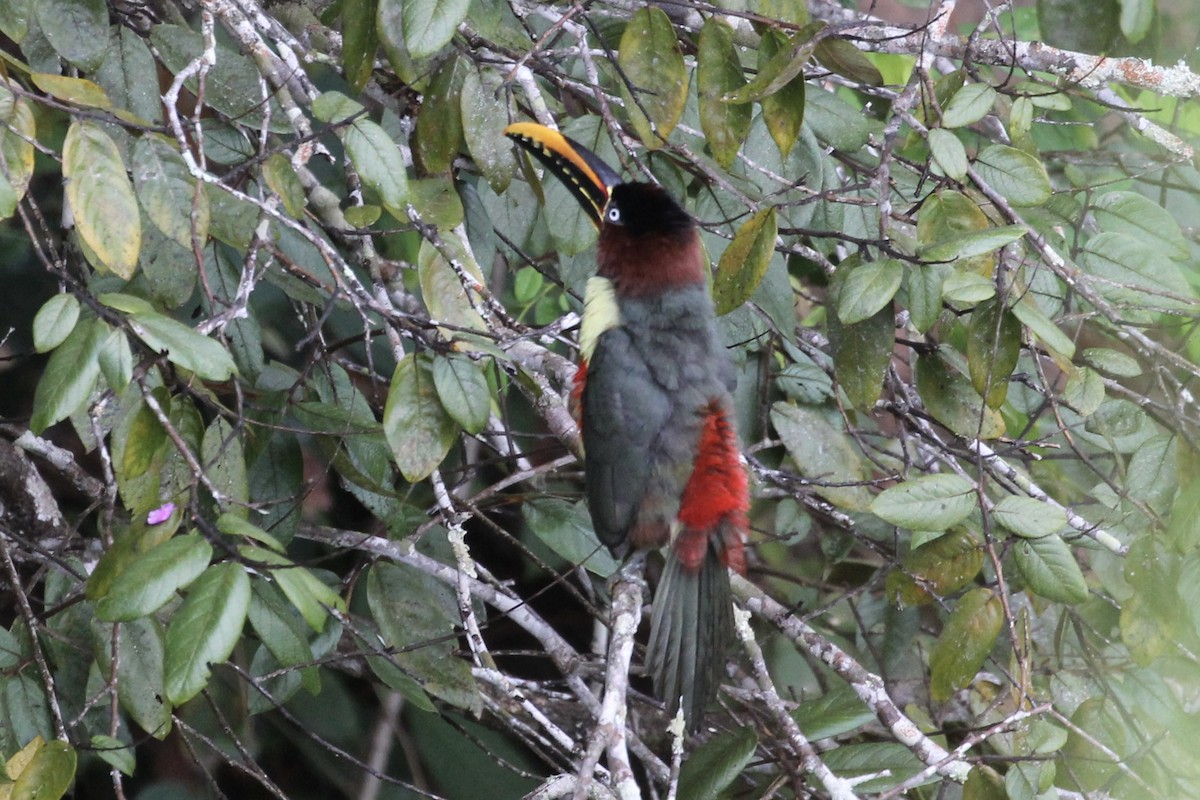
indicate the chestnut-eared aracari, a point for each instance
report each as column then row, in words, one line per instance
column 661, row 460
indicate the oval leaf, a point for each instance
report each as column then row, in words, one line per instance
column 1050, row 569
column 152, row 579
column 48, row 775
column 993, row 347
column 868, row 289
column 715, row 765
column 655, row 87
column 69, row 377
column 969, row 104
column 380, row 163
column 430, row 24
column 76, row 29
column 417, row 427
column 782, row 109
column 54, row 322
column 948, row 153
column 101, row 197
column 1018, row 176
column 1029, row 518
column 745, row 261
column 966, row 640
column 719, row 72
column 205, row 629
column 191, row 350
column 168, row 192
column 463, row 389
column 485, row 112
column 929, row 503
column 823, row 454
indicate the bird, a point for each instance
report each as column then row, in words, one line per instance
column 662, row 464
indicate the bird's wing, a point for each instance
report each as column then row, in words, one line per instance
column 624, row 410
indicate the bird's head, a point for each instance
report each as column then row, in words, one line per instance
column 648, row 241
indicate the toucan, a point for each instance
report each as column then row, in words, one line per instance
column 662, row 464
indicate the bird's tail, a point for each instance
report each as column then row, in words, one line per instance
column 691, row 628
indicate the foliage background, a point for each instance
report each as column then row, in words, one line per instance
column 289, row 497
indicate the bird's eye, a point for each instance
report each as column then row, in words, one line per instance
column 613, row 215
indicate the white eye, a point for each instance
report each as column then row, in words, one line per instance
column 613, row 215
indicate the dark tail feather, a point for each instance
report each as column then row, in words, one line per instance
column 691, row 627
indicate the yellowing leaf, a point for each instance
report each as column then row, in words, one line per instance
column 745, row 261
column 655, row 84
column 101, row 197
column 718, row 72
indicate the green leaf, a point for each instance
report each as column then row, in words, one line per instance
column 437, row 201
column 54, row 321
column 966, row 289
column 984, row 783
column 417, row 616
column 745, row 261
column 101, row 197
column 205, row 629
column 862, row 351
column 279, row 627
column 882, row 765
column 936, row 568
column 231, row 85
column 869, row 288
column 416, row 424
column 279, row 176
column 1084, row 391
column 1133, row 271
column 1029, row 518
column 655, row 84
column 713, row 766
column 463, row 390
column 304, row 591
column 69, row 377
column 993, row 347
column 116, row 358
column 969, row 104
column 824, row 455
column 1050, row 570
column 1136, row 18
column 1112, row 362
column 834, row 713
column 952, row 400
column 566, row 528
column 225, row 465
column 168, row 193
column 948, row 153
column 785, row 65
column 48, row 775
column 139, row 672
column 1041, row 326
column 928, row 503
column 440, row 124
column 483, row 103
column 430, row 24
column 191, row 350
column 76, row 29
column 151, row 580
column 965, row 642
column 1143, row 219
column 72, row 90
column 379, row 164
column 973, row 243
column 718, row 73
column 782, row 109
column 1016, row 175
column 842, row 57
column 359, row 41
column 14, row 19
column 442, row 289
column 115, row 753
column 925, row 294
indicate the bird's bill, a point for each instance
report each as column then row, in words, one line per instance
column 581, row 170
